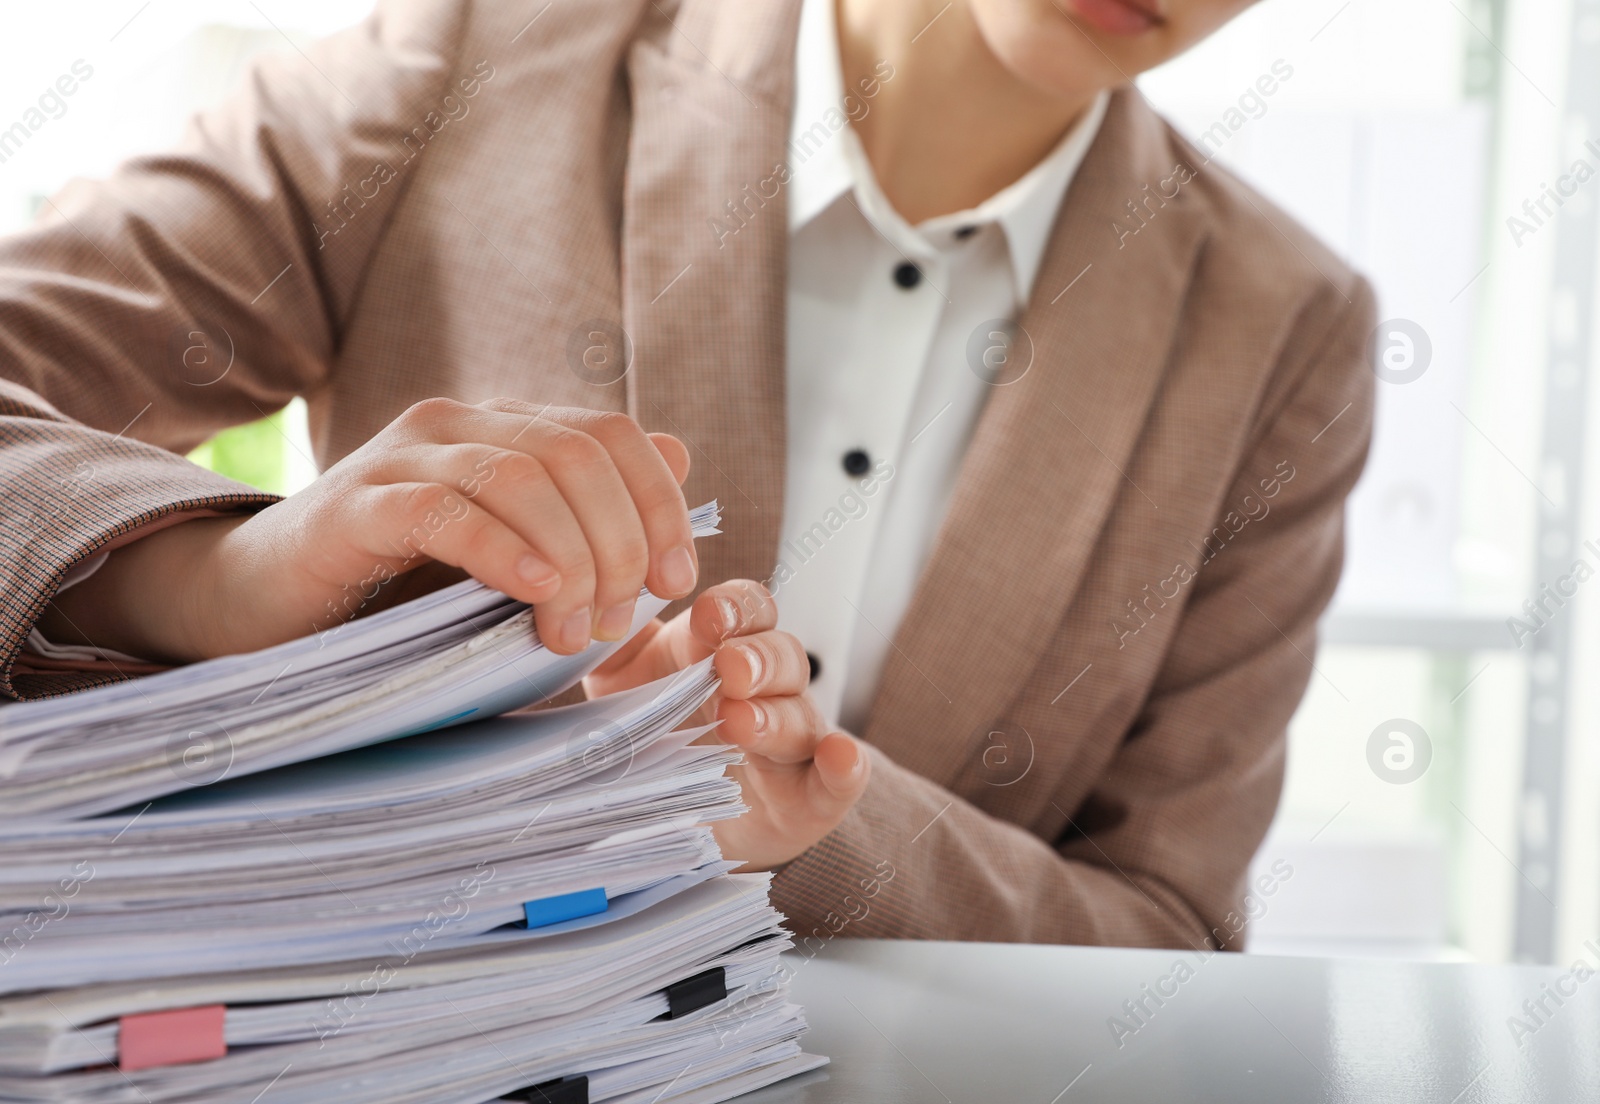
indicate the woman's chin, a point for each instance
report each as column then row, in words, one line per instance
column 1070, row 47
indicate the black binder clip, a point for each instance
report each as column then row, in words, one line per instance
column 694, row 993
column 563, row 1090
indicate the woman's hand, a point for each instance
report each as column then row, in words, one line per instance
column 570, row 510
column 799, row 777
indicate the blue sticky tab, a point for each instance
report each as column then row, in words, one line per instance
column 566, row 906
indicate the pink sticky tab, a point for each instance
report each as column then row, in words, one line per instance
column 170, row 1038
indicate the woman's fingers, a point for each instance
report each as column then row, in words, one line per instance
column 762, row 663
column 839, row 777
column 779, row 729
column 674, row 452
column 663, row 648
column 593, row 488
column 617, row 462
column 596, row 496
column 515, row 489
column 673, row 566
column 793, row 805
column 449, row 529
column 572, row 511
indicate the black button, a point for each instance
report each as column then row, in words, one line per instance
column 857, row 462
column 965, row 232
column 907, row 275
column 816, row 665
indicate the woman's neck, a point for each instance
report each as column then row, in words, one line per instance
column 953, row 126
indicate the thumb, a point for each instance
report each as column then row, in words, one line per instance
column 839, row 772
column 676, row 643
column 631, row 650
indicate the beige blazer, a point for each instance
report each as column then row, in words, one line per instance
column 1080, row 734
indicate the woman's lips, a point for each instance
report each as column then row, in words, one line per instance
column 1118, row 17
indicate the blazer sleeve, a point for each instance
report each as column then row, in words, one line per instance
column 192, row 291
column 1158, row 854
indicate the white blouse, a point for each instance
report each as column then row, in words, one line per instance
column 889, row 327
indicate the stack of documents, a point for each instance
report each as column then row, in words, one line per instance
column 529, row 906
column 459, row 653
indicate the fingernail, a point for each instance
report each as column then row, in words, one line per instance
column 535, row 572
column 574, row 631
column 677, row 570
column 727, row 614
column 757, row 667
column 758, row 717
column 615, row 622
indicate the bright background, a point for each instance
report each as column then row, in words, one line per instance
column 1407, row 134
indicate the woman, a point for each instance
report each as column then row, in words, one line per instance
column 1039, row 426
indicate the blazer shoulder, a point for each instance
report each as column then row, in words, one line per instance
column 1263, row 285
column 1254, row 241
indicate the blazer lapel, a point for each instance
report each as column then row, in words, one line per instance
column 704, row 257
column 1049, row 457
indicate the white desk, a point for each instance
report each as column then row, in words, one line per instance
column 999, row 1023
